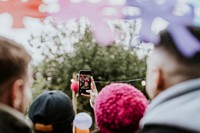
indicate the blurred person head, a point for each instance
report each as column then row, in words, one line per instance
column 119, row 108
column 52, row 112
column 16, row 77
column 167, row 66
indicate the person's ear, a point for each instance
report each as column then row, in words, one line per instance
column 17, row 93
column 159, row 82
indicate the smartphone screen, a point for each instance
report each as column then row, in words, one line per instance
column 84, row 81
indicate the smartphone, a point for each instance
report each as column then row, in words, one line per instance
column 84, row 81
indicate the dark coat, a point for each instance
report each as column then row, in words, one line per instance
column 176, row 110
column 164, row 129
column 12, row 121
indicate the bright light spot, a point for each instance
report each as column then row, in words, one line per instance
column 24, row 0
column 131, row 11
column 108, row 11
column 117, row 2
column 53, row 8
column 197, row 11
column 143, row 83
column 42, row 8
column 181, row 9
column 49, row 78
column 50, row 1
column 50, row 8
column 159, row 24
column 94, row 1
column 160, row 2
column 6, row 20
column 76, row 1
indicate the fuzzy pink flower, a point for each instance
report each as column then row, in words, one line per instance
column 119, row 108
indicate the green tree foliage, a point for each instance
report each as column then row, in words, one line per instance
column 114, row 63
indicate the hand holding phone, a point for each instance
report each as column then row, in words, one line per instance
column 84, row 81
column 92, row 94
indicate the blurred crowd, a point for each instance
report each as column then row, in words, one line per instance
column 172, row 106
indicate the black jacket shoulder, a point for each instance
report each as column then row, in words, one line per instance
column 164, row 129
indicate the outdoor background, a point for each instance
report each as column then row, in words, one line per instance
column 60, row 50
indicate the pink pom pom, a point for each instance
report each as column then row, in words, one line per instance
column 119, row 107
column 74, row 86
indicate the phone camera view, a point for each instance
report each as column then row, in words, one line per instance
column 84, row 83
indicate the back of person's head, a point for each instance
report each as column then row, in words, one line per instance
column 168, row 65
column 119, row 108
column 187, row 66
column 52, row 112
column 15, row 79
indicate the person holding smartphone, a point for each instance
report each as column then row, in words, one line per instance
column 118, row 107
column 87, row 87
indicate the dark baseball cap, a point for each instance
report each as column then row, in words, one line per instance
column 52, row 111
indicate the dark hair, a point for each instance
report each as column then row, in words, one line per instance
column 14, row 60
column 167, row 43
